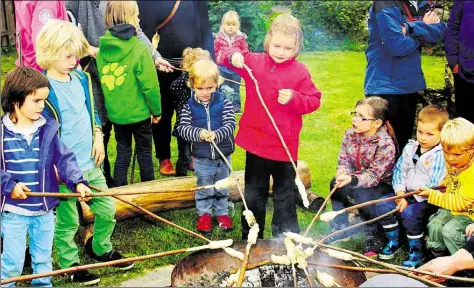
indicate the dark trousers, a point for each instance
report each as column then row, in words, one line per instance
column 107, row 129
column 340, row 201
column 184, row 157
column 141, row 132
column 464, row 98
column 414, row 218
column 257, row 185
column 162, row 130
column 401, row 115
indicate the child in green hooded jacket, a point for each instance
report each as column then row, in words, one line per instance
column 130, row 86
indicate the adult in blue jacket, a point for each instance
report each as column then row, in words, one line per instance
column 397, row 29
column 459, row 47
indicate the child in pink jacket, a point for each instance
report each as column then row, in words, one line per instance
column 30, row 17
column 230, row 37
column 289, row 93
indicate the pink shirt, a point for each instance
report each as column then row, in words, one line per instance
column 30, row 18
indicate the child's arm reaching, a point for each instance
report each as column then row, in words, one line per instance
column 12, row 188
column 457, row 202
column 400, row 171
column 304, row 100
column 344, row 166
column 228, row 120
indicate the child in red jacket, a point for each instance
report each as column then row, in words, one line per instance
column 289, row 93
column 230, row 37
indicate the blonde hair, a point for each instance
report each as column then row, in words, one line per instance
column 433, row 114
column 191, row 55
column 121, row 12
column 203, row 70
column 288, row 25
column 230, row 16
column 458, row 132
column 58, row 39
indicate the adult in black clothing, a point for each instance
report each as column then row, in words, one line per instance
column 189, row 27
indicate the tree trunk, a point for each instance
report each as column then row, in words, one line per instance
column 175, row 200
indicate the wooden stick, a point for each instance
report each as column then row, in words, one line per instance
column 308, row 277
column 345, row 210
column 351, row 268
column 400, row 271
column 244, row 265
column 108, row 194
column 316, row 217
column 322, row 240
column 153, row 215
column 456, row 278
column 91, row 266
column 253, row 266
column 232, row 172
column 230, row 80
column 295, row 283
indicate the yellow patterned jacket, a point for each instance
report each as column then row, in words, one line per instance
column 459, row 195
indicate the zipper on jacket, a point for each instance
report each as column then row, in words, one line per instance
column 209, row 128
column 273, row 69
column 44, row 198
column 358, row 164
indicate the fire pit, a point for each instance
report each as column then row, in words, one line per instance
column 212, row 268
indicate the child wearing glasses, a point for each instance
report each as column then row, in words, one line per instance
column 364, row 170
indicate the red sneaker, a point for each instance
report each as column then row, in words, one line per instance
column 166, row 168
column 204, row 223
column 225, row 223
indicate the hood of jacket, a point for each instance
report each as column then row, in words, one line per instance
column 118, row 42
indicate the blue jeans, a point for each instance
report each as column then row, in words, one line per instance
column 234, row 94
column 414, row 218
column 209, row 172
column 40, row 229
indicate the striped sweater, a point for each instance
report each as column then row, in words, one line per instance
column 217, row 116
column 459, row 195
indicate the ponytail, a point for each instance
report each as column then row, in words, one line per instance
column 391, row 132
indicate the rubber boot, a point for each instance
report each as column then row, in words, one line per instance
column 415, row 254
column 393, row 245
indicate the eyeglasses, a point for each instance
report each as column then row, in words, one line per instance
column 359, row 117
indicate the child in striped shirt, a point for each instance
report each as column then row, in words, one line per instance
column 421, row 165
column 447, row 228
column 209, row 117
column 30, row 148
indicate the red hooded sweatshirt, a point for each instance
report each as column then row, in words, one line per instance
column 256, row 132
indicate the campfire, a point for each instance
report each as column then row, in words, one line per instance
column 215, row 267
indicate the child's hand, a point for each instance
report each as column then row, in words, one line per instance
column 425, row 192
column 83, row 190
column 211, row 136
column 203, row 134
column 98, row 151
column 19, row 191
column 284, row 95
column 237, row 60
column 402, row 204
column 470, row 230
column 93, row 51
column 155, row 119
column 343, row 180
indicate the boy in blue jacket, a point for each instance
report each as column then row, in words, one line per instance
column 397, row 30
column 71, row 103
column 30, row 148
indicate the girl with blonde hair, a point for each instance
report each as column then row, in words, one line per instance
column 289, row 93
column 230, row 37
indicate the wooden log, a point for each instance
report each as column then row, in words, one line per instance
column 168, row 201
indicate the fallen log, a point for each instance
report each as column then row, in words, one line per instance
column 177, row 200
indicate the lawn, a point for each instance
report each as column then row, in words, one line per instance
column 339, row 75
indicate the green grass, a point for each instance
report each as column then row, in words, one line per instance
column 340, row 76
